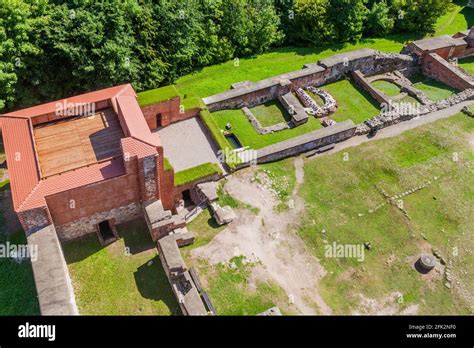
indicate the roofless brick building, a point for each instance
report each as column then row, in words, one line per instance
column 82, row 165
column 85, row 163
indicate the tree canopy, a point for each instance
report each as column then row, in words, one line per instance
column 54, row 48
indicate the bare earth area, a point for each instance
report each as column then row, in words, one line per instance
column 270, row 240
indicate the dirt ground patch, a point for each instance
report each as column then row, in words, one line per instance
column 388, row 305
column 270, row 239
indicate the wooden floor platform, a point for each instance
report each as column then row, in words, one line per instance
column 77, row 142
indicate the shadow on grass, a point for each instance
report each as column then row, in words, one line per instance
column 364, row 93
column 81, row 248
column 136, row 236
column 212, row 223
column 468, row 14
column 153, row 284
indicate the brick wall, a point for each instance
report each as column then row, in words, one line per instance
column 34, row 220
column 82, row 202
column 380, row 97
column 170, row 112
column 86, row 225
column 435, row 67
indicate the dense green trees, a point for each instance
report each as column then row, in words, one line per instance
column 379, row 20
column 54, row 48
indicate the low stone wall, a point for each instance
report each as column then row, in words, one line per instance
column 307, row 142
column 89, row 224
column 53, row 284
column 294, row 108
column 389, row 118
column 187, row 290
column 439, row 69
column 380, row 97
column 258, row 127
column 332, row 69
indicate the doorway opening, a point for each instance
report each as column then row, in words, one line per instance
column 187, row 198
column 159, row 123
column 106, row 232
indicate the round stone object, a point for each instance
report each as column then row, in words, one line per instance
column 427, row 261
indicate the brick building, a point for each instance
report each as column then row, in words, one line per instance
column 87, row 163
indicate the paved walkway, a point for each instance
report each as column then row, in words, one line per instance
column 187, row 144
column 398, row 128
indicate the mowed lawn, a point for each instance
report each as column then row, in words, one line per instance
column 270, row 113
column 17, row 286
column 386, row 87
column 467, row 64
column 353, row 104
column 434, row 90
column 124, row 278
column 247, row 134
column 342, row 199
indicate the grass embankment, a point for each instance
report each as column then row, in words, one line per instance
column 124, row 278
column 157, row 95
column 195, row 173
column 342, row 200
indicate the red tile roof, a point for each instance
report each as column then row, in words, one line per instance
column 69, row 180
column 103, row 94
column 27, row 189
column 21, row 159
column 133, row 147
column 134, row 121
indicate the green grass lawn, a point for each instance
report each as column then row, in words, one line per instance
column 458, row 18
column 118, row 279
column 17, row 286
column 467, row 64
column 386, row 87
column 217, row 78
column 435, row 90
column 353, row 103
column 439, row 216
column 270, row 113
column 247, row 134
column 157, row 95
